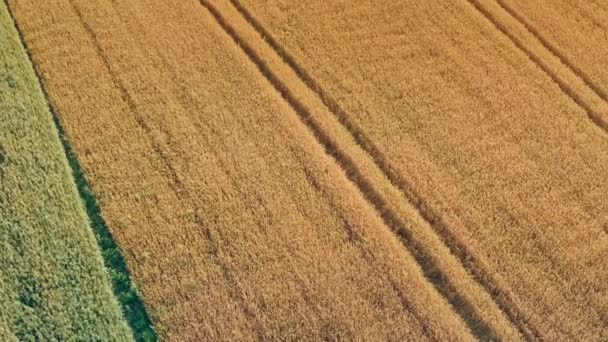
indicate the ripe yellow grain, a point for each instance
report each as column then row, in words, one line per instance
column 503, row 163
column 576, row 31
column 234, row 221
column 442, row 268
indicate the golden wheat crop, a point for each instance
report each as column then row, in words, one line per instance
column 234, row 220
column 474, row 129
column 290, row 170
column 576, row 31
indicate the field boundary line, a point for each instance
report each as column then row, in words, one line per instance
column 572, row 81
column 445, row 260
column 171, row 173
column 123, row 287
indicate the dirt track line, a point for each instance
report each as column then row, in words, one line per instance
column 298, row 107
column 475, row 267
column 570, row 79
column 371, row 174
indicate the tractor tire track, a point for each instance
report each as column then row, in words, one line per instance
column 286, row 94
column 554, row 50
column 235, row 291
column 570, row 79
column 436, row 274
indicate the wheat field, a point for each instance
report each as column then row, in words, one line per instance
column 514, row 167
column 283, row 170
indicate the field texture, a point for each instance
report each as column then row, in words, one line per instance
column 507, row 166
column 316, row 170
column 53, row 285
column 234, row 221
column 582, row 46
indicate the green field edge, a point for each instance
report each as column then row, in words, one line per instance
column 125, row 290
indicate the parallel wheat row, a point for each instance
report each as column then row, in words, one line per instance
column 575, row 31
column 233, row 219
column 502, row 162
column 574, row 83
column 275, row 169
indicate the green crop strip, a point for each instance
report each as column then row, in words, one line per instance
column 124, row 289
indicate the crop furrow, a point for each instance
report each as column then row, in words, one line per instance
column 124, row 93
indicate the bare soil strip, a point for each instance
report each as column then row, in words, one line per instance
column 572, row 80
column 437, row 261
column 506, row 159
column 233, row 219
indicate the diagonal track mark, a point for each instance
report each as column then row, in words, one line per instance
column 235, row 291
column 458, row 248
column 285, row 93
column 582, row 100
column 442, row 283
column 129, row 100
column 562, row 57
